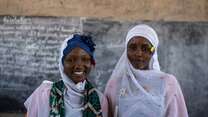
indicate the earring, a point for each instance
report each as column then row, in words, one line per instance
column 152, row 49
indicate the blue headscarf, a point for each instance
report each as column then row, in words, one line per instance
column 82, row 41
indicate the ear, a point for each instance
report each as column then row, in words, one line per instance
column 92, row 66
column 93, row 62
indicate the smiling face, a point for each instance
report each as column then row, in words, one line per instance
column 77, row 65
column 139, row 52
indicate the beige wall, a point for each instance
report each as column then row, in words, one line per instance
column 167, row 10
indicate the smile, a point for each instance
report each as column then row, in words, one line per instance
column 78, row 73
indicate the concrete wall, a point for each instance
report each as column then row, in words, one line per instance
column 166, row 10
column 29, row 49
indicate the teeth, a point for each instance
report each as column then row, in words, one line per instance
column 78, row 73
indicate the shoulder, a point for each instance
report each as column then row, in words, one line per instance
column 170, row 79
column 38, row 102
column 174, row 100
column 171, row 85
column 111, row 88
column 112, row 82
column 40, row 94
column 44, row 88
column 46, row 85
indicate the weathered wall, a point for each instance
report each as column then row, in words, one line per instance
column 167, row 10
column 29, row 49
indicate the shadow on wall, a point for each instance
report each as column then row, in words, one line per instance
column 8, row 104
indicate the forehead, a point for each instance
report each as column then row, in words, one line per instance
column 78, row 52
column 139, row 40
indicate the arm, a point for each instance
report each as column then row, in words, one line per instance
column 110, row 93
column 104, row 106
column 175, row 104
column 37, row 104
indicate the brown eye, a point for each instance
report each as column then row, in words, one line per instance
column 69, row 60
column 145, row 48
column 86, row 59
column 132, row 47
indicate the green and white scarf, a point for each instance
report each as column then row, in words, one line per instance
column 92, row 107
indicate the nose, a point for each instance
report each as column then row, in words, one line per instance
column 138, row 52
column 78, row 64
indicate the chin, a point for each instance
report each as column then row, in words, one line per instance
column 77, row 80
column 140, row 67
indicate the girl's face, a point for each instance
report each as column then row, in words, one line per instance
column 139, row 52
column 77, row 65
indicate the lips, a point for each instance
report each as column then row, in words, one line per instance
column 138, row 61
column 78, row 76
column 78, row 73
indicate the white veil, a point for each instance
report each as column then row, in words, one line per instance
column 135, row 99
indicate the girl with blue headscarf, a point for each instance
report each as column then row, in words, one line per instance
column 73, row 95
